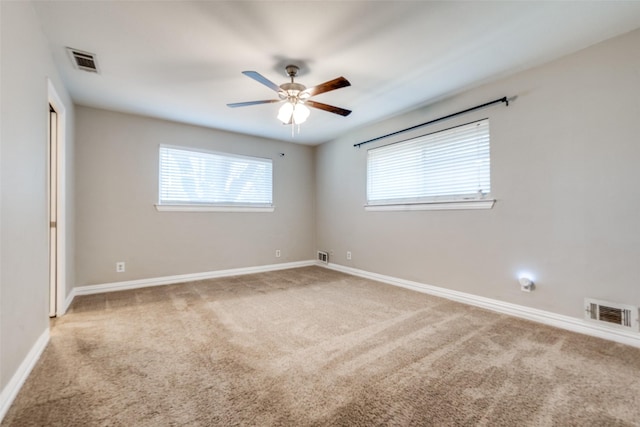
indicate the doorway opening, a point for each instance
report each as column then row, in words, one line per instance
column 56, row 199
column 53, row 212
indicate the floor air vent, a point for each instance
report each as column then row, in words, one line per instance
column 83, row 60
column 612, row 314
column 323, row 257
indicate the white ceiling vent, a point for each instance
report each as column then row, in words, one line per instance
column 612, row 314
column 83, row 60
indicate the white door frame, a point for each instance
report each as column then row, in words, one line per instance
column 60, row 259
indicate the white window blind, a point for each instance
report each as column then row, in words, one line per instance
column 192, row 177
column 450, row 165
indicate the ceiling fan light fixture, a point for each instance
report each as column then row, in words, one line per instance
column 295, row 113
column 300, row 113
column 285, row 112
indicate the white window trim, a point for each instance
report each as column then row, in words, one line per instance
column 213, row 208
column 434, row 206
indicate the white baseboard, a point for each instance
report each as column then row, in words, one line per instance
column 68, row 301
column 180, row 278
column 573, row 324
column 12, row 388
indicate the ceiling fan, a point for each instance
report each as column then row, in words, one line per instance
column 296, row 96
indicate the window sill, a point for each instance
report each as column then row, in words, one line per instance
column 435, row 206
column 211, row 208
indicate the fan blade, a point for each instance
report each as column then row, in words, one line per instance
column 329, row 108
column 334, row 84
column 262, row 79
column 246, row 104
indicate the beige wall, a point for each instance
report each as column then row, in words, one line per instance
column 117, row 187
column 565, row 175
column 24, row 267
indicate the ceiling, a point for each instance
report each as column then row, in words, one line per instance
column 182, row 60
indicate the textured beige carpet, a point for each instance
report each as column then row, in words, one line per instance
column 313, row 347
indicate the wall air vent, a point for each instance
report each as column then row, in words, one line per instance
column 323, row 257
column 612, row 314
column 83, row 60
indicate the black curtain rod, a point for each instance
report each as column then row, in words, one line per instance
column 477, row 107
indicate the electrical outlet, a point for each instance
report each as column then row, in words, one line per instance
column 120, row 267
column 278, row 253
column 348, row 254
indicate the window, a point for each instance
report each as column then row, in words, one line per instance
column 449, row 168
column 201, row 180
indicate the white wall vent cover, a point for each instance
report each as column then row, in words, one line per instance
column 323, row 257
column 83, row 60
column 612, row 314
